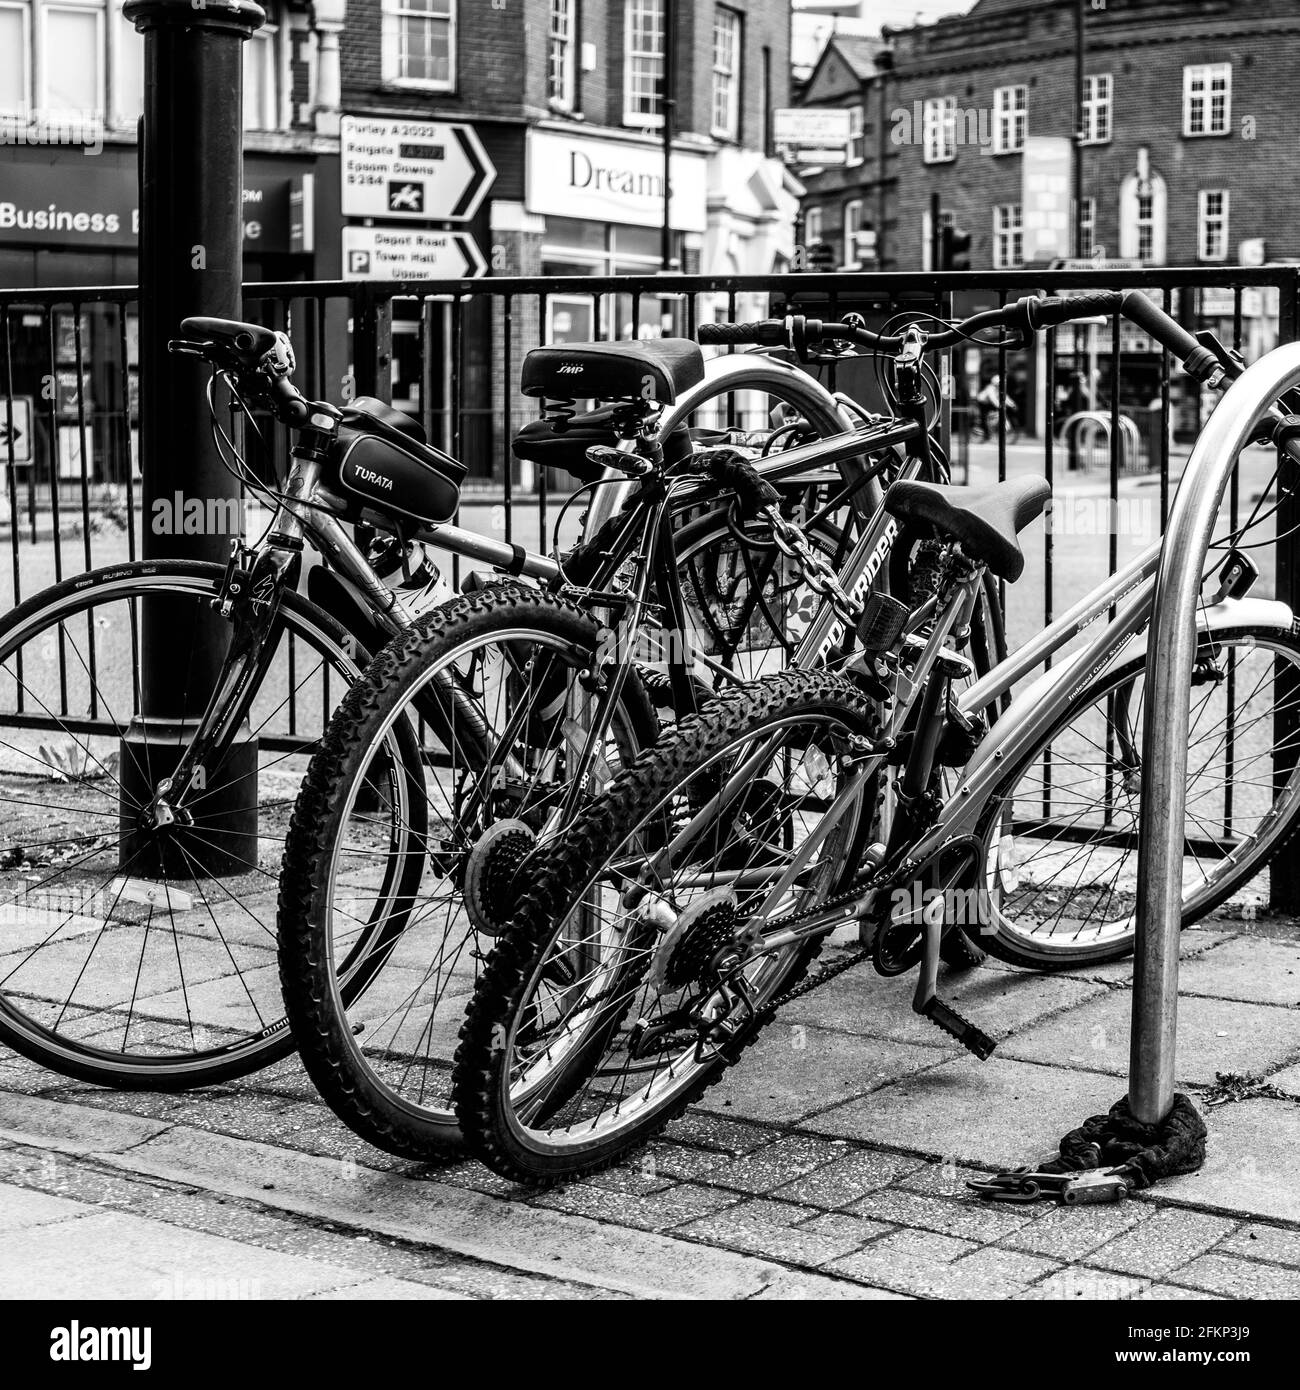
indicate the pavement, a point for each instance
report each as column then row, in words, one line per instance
column 830, row 1163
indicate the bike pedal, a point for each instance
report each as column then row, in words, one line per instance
column 944, row 1016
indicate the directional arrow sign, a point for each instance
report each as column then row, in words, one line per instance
column 389, row 253
column 431, row 171
column 19, row 438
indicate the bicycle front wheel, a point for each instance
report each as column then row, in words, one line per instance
column 609, row 1004
column 141, row 957
column 1059, row 838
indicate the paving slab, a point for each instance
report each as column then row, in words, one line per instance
column 1072, row 1233
column 517, row 1235
column 794, row 1284
column 905, row 1267
column 389, row 1290
column 754, row 1227
column 1250, row 1165
column 998, row 1113
column 1000, row 1000
column 655, row 1211
column 1085, row 1285
column 1214, row 1035
column 20, row 1208
column 1237, row 1278
column 114, row 1255
column 780, row 1162
column 1257, row 1242
column 1169, row 1240
column 1249, row 968
column 845, row 1180
column 796, row 1069
column 971, row 1219
column 72, row 1128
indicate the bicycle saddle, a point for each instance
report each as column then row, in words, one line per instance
column 986, row 520
column 655, row 369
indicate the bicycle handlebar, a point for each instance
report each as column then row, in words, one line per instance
column 1027, row 315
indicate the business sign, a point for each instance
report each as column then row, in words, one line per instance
column 432, row 171
column 614, row 181
column 59, row 205
column 809, row 135
column 1045, row 197
column 19, row 438
column 386, row 253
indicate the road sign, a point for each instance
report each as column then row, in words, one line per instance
column 389, row 253
column 20, row 438
column 435, row 171
column 808, row 135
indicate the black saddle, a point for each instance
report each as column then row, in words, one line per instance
column 986, row 520
column 656, row 369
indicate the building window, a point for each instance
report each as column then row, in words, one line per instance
column 71, row 58
column 939, row 129
column 419, row 43
column 560, row 58
column 1087, row 227
column 812, row 226
column 852, row 226
column 1008, row 236
column 857, row 136
column 1010, row 115
column 15, row 50
column 1098, row 89
column 644, row 66
column 1212, row 224
column 727, row 48
column 1207, row 99
column 1142, row 207
column 261, row 82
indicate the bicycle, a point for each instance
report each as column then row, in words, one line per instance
column 667, row 924
column 547, row 687
column 140, row 858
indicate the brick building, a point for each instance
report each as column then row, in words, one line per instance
column 1189, row 127
column 565, row 96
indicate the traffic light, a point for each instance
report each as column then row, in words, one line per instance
column 954, row 248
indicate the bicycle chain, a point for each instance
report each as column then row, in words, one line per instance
column 817, row 570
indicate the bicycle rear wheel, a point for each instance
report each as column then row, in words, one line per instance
column 607, row 1006
column 1059, row 841
column 124, row 961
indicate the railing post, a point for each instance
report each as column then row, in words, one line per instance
column 372, row 344
column 191, row 262
column 1284, row 870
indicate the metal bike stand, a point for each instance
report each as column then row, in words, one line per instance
column 1171, row 651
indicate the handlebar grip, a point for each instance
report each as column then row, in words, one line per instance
column 764, row 333
column 1153, row 320
column 1047, row 313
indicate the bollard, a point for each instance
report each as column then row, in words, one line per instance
column 1171, row 650
column 191, row 262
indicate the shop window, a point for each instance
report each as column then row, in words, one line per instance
column 1142, row 204
column 939, row 130
column 574, row 247
column 727, row 50
column 1010, row 116
column 1207, row 99
column 560, row 61
column 1097, row 94
column 1008, row 236
column 419, row 43
column 643, row 70
column 1212, row 224
column 812, row 226
column 15, row 50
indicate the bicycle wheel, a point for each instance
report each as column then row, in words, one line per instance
column 609, row 1004
column 1059, row 840
column 123, row 961
column 507, row 687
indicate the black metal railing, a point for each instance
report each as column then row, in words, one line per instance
column 1098, row 409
